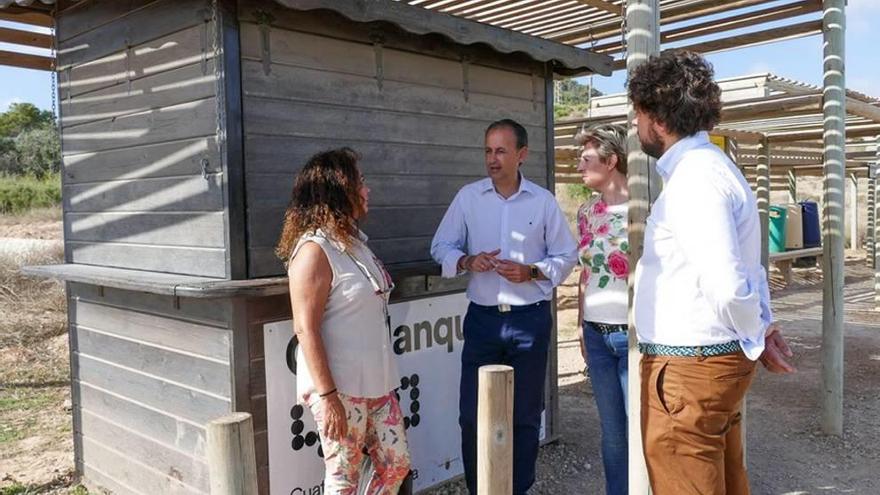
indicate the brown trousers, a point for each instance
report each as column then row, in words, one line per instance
column 692, row 424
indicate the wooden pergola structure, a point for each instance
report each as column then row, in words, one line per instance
column 595, row 24
column 761, row 107
column 803, row 129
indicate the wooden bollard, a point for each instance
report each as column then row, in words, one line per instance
column 495, row 430
column 232, row 462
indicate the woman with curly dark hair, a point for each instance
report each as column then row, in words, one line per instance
column 702, row 303
column 339, row 290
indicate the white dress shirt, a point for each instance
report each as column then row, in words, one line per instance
column 700, row 280
column 528, row 228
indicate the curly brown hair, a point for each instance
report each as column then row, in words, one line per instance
column 676, row 88
column 325, row 196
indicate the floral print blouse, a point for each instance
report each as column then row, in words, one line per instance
column 603, row 254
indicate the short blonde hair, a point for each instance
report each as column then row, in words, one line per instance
column 608, row 139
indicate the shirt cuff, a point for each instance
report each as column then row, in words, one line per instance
column 547, row 269
column 450, row 264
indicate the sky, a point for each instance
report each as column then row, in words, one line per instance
column 799, row 59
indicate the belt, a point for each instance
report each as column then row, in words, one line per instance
column 690, row 351
column 608, row 328
column 510, row 308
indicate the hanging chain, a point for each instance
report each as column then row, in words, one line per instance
column 53, row 73
column 590, row 87
column 220, row 93
column 53, row 82
column 623, row 27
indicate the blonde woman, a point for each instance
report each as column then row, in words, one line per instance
column 603, row 254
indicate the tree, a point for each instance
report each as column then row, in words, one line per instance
column 38, row 151
column 571, row 92
column 22, row 117
column 29, row 141
column 572, row 98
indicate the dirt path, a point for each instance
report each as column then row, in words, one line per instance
column 787, row 453
column 36, row 445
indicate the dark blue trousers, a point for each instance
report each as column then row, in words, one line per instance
column 520, row 339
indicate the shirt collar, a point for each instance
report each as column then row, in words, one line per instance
column 666, row 163
column 524, row 185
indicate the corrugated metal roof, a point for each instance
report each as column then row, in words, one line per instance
column 24, row 3
column 565, row 59
column 704, row 26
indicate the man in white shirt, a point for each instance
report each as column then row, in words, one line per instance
column 702, row 304
column 510, row 234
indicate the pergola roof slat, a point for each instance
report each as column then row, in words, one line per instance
column 29, row 16
column 716, row 26
column 771, row 35
column 669, row 13
column 26, row 38
column 26, row 61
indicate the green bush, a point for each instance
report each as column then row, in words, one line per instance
column 578, row 192
column 22, row 193
column 38, row 152
column 29, row 143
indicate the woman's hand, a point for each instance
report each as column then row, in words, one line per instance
column 335, row 418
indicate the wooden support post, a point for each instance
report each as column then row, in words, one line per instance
column 875, row 171
column 232, row 462
column 495, row 430
column 762, row 191
column 834, row 139
column 642, row 41
column 870, row 240
column 854, row 212
column 792, row 186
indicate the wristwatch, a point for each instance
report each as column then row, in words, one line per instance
column 533, row 272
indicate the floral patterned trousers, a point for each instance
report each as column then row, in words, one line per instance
column 375, row 426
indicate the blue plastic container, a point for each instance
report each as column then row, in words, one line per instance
column 810, row 218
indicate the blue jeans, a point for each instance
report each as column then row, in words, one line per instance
column 519, row 339
column 607, row 367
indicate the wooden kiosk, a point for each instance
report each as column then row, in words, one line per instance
column 183, row 123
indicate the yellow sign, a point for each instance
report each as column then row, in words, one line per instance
column 720, row 141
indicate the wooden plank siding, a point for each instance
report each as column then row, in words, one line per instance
column 420, row 134
column 143, row 175
column 148, row 374
column 260, row 312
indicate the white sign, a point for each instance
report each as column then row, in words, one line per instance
column 427, row 337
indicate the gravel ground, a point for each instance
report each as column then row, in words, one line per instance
column 787, row 452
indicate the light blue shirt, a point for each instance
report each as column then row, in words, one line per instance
column 528, row 228
column 700, row 280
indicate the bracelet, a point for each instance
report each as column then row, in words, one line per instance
column 325, row 394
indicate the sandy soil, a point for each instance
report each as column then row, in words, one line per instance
column 43, row 224
column 787, row 452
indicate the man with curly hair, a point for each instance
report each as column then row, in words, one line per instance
column 702, row 303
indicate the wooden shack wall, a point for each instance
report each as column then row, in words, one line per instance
column 148, row 372
column 418, row 126
column 143, row 177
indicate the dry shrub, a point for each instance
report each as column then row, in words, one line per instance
column 31, row 309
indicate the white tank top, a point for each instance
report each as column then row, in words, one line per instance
column 354, row 330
